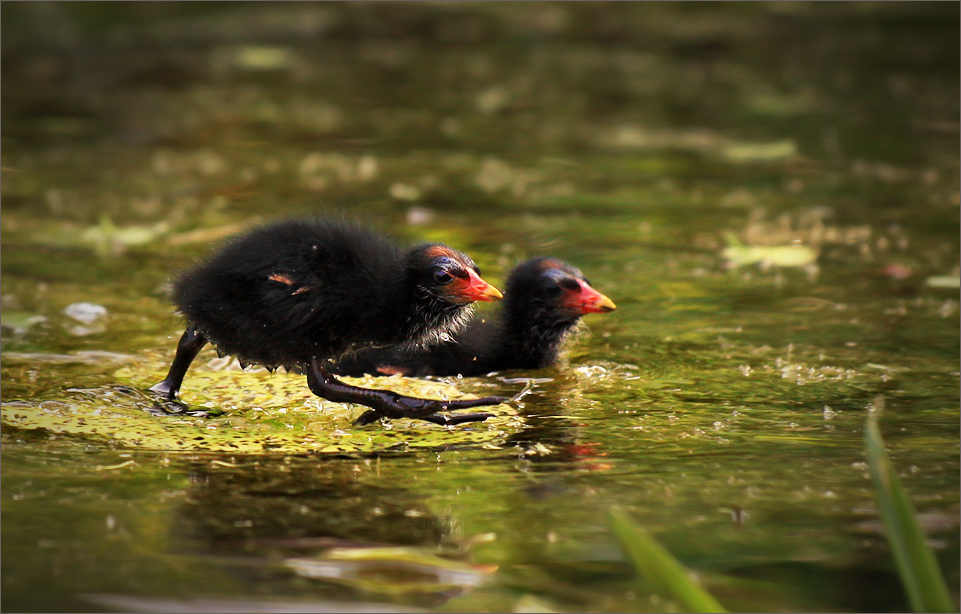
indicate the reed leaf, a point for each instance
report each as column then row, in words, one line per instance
column 664, row 573
column 915, row 561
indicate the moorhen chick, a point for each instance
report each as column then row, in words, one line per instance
column 545, row 300
column 300, row 292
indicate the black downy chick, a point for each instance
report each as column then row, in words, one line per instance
column 545, row 299
column 300, row 292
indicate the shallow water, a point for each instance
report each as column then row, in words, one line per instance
column 652, row 145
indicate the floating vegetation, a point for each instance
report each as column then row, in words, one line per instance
column 19, row 322
column 391, row 570
column 738, row 255
column 90, row 357
column 259, row 413
column 944, row 281
column 723, row 404
column 760, row 152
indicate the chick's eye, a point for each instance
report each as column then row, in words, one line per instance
column 442, row 277
column 552, row 290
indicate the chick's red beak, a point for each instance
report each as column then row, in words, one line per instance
column 589, row 300
column 476, row 289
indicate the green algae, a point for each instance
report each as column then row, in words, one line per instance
column 721, row 406
column 256, row 412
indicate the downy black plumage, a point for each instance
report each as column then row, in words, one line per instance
column 300, row 292
column 545, row 299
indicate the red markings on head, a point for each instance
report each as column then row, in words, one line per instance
column 550, row 263
column 438, row 251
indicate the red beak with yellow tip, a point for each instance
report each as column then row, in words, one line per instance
column 476, row 289
column 590, row 300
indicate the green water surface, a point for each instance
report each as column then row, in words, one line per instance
column 769, row 192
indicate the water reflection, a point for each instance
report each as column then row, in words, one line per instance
column 769, row 191
column 231, row 508
column 276, row 521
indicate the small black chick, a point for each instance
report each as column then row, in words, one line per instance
column 300, row 292
column 545, row 300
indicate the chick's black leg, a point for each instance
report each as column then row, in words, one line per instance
column 385, row 403
column 190, row 344
column 441, row 419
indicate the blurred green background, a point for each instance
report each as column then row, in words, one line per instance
column 768, row 191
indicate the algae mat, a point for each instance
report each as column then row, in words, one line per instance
column 255, row 412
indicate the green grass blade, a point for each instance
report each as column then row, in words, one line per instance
column 662, row 571
column 916, row 564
